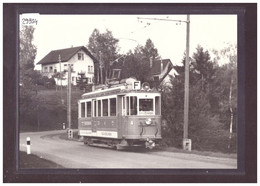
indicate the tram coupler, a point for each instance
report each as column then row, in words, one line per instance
column 149, row 144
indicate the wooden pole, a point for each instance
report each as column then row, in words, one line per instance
column 60, row 72
column 186, row 86
column 69, row 97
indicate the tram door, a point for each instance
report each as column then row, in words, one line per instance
column 124, row 114
column 94, row 117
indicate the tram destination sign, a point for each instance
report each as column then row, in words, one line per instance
column 136, row 85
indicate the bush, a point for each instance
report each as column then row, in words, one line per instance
column 51, row 113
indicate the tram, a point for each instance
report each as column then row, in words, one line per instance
column 120, row 116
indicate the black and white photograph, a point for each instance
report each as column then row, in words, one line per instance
column 92, row 82
column 139, row 91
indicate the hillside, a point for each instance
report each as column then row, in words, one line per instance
column 52, row 112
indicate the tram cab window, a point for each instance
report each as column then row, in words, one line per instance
column 105, row 107
column 112, row 106
column 83, row 110
column 145, row 106
column 89, row 109
column 157, row 105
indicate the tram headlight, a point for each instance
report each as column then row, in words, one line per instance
column 148, row 121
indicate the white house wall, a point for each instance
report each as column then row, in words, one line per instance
column 77, row 65
column 167, row 80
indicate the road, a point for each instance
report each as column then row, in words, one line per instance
column 74, row 154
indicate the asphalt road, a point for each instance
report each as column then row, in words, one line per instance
column 74, row 154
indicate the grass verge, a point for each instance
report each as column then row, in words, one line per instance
column 33, row 161
column 197, row 152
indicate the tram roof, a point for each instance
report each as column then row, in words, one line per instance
column 115, row 91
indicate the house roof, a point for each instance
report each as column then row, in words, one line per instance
column 66, row 54
column 156, row 68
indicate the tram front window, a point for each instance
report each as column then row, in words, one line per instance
column 145, row 106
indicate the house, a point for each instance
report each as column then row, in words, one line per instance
column 79, row 58
column 159, row 69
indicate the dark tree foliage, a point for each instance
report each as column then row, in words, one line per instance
column 149, row 51
column 226, row 85
column 172, row 111
column 28, row 77
column 82, row 82
column 202, row 65
column 209, row 103
column 137, row 63
column 135, row 66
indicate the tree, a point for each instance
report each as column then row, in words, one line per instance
column 149, row 51
column 135, row 66
column 172, row 111
column 137, row 63
column 227, row 86
column 212, row 101
column 60, row 76
column 28, row 77
column 201, row 72
column 82, row 82
column 104, row 47
column 203, row 67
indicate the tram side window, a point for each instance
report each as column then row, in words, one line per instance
column 157, row 106
column 83, row 110
column 133, row 105
column 89, row 109
column 95, row 108
column 99, row 107
column 112, row 106
column 105, row 107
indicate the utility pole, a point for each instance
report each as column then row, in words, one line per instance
column 186, row 141
column 69, row 97
column 60, row 72
column 62, row 101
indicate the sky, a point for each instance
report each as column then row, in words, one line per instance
column 54, row 32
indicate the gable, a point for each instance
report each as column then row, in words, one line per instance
column 65, row 55
column 156, row 68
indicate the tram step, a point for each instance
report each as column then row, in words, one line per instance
column 100, row 145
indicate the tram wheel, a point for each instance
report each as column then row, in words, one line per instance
column 87, row 141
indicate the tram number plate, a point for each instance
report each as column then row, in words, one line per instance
column 86, row 123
